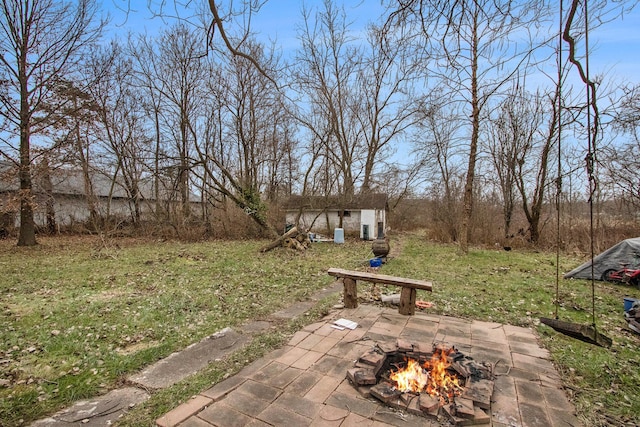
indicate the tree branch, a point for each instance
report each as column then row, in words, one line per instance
column 217, row 22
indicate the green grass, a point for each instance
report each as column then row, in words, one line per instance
column 76, row 318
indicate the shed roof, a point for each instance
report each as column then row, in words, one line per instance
column 361, row 201
column 70, row 182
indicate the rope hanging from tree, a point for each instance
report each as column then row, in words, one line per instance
column 581, row 332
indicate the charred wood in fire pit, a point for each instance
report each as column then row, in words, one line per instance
column 386, row 359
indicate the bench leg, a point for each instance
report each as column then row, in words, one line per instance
column 407, row 301
column 350, row 293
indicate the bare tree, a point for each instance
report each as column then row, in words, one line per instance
column 621, row 162
column 438, row 150
column 327, row 68
column 387, row 106
column 146, row 60
column 470, row 48
column 528, row 131
column 40, row 41
column 242, row 127
column 121, row 131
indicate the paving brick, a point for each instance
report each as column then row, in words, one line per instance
column 418, row 335
column 270, row 371
column 532, row 364
column 278, row 415
column 259, row 390
column 504, row 402
column 422, row 322
column 195, row 422
column 534, row 416
column 355, row 334
column 322, row 389
column 528, row 373
column 184, row 411
column 304, row 382
column 455, row 330
column 517, row 333
column 401, row 419
column 258, row 364
column 325, row 345
column 529, row 349
column 220, row 414
column 556, row 397
column 291, row 356
column 422, row 315
column 354, row 403
column 310, row 341
column 307, row 359
column 395, row 318
column 326, row 330
column 299, row 405
column 551, row 379
column 298, row 337
column 258, row 423
column 484, row 331
column 385, row 328
column 243, row 403
column 221, row 389
column 330, row 416
column 461, row 343
column 496, row 356
column 529, row 392
column 331, row 365
column 313, row 326
column 285, row 378
column 562, row 418
column 351, row 350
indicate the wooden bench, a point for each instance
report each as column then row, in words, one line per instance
column 407, row 295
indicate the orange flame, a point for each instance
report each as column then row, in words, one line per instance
column 432, row 378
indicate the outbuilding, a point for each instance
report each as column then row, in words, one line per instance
column 362, row 215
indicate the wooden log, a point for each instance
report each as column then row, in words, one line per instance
column 350, row 293
column 407, row 301
column 278, row 242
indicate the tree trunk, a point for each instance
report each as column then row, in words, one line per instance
column 27, row 236
column 467, row 209
column 47, row 186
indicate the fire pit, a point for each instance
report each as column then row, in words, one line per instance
column 425, row 380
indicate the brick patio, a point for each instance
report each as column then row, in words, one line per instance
column 304, row 383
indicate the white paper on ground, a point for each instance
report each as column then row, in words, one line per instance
column 346, row 323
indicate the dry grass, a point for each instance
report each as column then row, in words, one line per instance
column 77, row 316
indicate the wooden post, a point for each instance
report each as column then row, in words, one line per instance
column 350, row 293
column 407, row 301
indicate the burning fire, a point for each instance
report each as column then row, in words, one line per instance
column 432, row 377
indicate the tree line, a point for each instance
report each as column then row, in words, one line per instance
column 460, row 103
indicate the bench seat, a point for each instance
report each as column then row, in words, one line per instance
column 407, row 296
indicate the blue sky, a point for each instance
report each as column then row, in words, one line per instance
column 615, row 45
